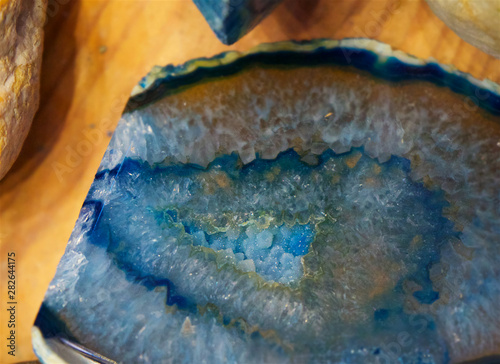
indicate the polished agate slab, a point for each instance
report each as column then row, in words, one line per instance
column 305, row 202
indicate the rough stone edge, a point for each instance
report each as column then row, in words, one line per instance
column 382, row 51
column 14, row 149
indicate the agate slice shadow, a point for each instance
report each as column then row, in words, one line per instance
column 305, row 202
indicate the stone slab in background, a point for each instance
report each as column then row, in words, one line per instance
column 232, row 19
column 477, row 22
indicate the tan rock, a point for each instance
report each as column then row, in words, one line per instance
column 21, row 40
column 475, row 21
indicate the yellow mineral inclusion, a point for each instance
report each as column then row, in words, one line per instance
column 370, row 181
column 416, row 242
column 21, row 73
column 3, row 135
column 271, row 176
column 428, row 183
column 461, row 249
column 212, row 181
column 352, row 161
column 222, row 180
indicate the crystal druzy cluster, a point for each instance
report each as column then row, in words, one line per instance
column 304, row 202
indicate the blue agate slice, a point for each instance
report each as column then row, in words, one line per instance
column 232, row 19
column 306, row 202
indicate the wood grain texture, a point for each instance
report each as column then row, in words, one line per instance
column 97, row 50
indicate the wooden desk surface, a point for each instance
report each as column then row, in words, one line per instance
column 97, row 50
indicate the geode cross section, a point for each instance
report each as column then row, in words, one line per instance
column 301, row 203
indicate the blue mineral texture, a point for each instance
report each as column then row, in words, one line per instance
column 313, row 202
column 232, row 19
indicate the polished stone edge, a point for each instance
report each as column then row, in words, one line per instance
column 53, row 348
column 366, row 54
column 230, row 20
column 42, row 349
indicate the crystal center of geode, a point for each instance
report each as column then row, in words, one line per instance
column 280, row 218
